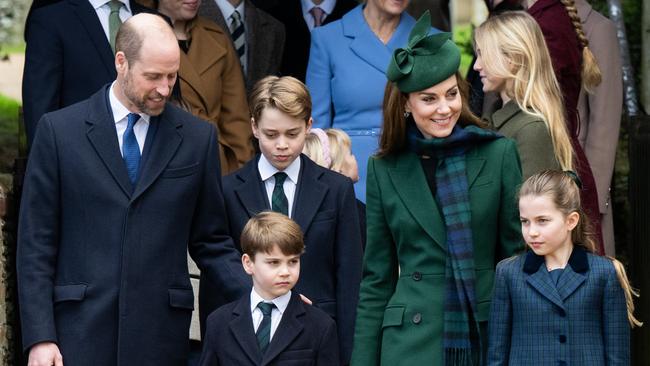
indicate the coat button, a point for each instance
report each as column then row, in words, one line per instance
column 417, row 276
column 417, row 318
column 562, row 338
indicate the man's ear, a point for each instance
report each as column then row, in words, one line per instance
column 121, row 64
column 310, row 122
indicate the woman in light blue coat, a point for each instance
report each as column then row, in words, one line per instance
column 346, row 73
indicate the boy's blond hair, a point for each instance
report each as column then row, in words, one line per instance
column 286, row 94
column 268, row 229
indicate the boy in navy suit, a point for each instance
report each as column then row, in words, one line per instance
column 319, row 200
column 271, row 326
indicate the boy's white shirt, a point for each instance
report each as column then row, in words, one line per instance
column 267, row 170
column 281, row 303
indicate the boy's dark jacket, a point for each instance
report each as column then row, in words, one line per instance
column 305, row 336
column 325, row 208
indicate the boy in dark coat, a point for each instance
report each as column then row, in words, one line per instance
column 271, row 326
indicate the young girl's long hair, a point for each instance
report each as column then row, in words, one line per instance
column 512, row 47
column 563, row 189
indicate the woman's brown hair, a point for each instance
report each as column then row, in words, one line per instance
column 393, row 134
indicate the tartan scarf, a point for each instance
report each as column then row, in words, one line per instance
column 461, row 340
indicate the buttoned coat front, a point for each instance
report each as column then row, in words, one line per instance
column 212, row 85
column 305, row 336
column 401, row 300
column 325, row 208
column 582, row 321
column 102, row 265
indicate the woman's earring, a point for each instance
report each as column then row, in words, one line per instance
column 407, row 114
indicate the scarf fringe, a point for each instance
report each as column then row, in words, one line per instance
column 461, row 357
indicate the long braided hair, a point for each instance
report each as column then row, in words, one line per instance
column 590, row 73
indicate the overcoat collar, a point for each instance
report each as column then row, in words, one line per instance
column 290, row 327
column 310, row 191
column 411, row 186
column 503, row 115
column 584, row 10
column 199, row 59
column 365, row 43
column 87, row 16
column 574, row 275
column 102, row 136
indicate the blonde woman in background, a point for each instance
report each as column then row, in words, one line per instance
column 513, row 61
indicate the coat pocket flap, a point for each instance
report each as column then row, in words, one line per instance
column 181, row 298
column 70, row 292
column 393, row 316
column 180, row 172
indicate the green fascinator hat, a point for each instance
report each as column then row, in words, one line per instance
column 425, row 61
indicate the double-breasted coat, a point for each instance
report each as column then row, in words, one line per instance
column 400, row 312
column 580, row 321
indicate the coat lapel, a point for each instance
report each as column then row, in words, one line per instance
column 474, row 165
column 250, row 192
column 87, row 16
column 199, row 59
column 241, row 327
column 309, row 193
column 539, row 278
column 574, row 274
column 364, row 43
column 103, row 137
column 167, row 140
column 288, row 329
column 409, row 181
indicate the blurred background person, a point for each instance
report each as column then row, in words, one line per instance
column 346, row 73
column 600, row 111
column 257, row 37
column 513, row 61
column 210, row 81
column 575, row 68
column 300, row 17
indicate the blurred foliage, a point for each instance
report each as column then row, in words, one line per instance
column 8, row 133
column 12, row 17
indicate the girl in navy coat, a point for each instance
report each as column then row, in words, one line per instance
column 559, row 304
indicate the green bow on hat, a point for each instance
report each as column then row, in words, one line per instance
column 425, row 61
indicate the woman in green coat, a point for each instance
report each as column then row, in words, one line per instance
column 440, row 214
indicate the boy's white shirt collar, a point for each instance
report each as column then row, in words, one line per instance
column 280, row 302
column 267, row 170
